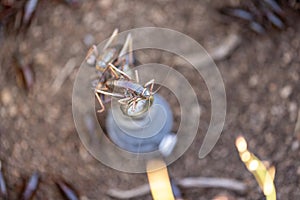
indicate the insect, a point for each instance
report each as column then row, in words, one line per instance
column 258, row 14
column 112, row 53
column 135, row 99
column 115, row 78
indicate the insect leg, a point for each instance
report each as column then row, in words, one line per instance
column 113, row 68
column 137, row 78
column 92, row 55
column 125, row 58
column 126, row 46
column 134, row 102
column 151, row 84
column 109, row 93
column 112, row 71
column 130, row 52
column 111, row 39
column 124, row 100
column 102, row 108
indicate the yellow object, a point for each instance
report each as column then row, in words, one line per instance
column 264, row 177
column 159, row 180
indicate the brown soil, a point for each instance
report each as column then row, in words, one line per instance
column 261, row 77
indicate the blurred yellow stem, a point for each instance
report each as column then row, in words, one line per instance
column 264, row 177
column 159, row 180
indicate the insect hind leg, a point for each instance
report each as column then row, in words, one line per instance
column 102, row 108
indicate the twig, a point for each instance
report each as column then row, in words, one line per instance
column 206, row 182
column 62, row 76
column 189, row 182
column 218, row 53
column 226, row 48
column 127, row 194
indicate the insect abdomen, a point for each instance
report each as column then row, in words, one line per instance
column 138, row 89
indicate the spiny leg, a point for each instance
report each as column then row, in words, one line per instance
column 123, row 58
column 130, row 52
column 97, row 92
column 112, row 38
column 126, row 46
column 102, row 108
column 109, row 93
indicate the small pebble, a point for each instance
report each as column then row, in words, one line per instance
column 13, row 111
column 277, row 110
column 295, row 145
column 253, row 81
column 84, row 198
column 41, row 58
column 287, row 58
column 293, row 111
column 105, row 4
column 6, row 97
column 286, row 91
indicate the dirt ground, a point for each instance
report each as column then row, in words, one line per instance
column 261, row 77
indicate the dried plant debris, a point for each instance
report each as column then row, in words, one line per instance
column 30, row 187
column 17, row 15
column 258, row 15
column 295, row 4
column 67, row 190
column 185, row 183
column 3, row 190
column 25, row 76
